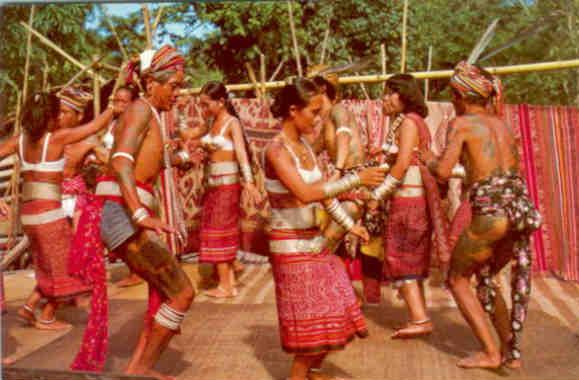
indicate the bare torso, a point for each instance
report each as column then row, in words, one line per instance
column 340, row 116
column 32, row 153
column 490, row 147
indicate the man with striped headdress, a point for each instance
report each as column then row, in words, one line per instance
column 503, row 216
column 124, row 216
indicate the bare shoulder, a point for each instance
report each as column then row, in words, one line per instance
column 274, row 149
column 339, row 112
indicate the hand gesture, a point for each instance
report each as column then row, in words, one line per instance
column 156, row 225
column 372, row 176
column 360, row 231
column 426, row 155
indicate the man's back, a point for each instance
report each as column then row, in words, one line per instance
column 490, row 146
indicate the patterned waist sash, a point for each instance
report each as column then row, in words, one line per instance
column 112, row 189
column 40, row 191
column 223, row 173
column 298, row 241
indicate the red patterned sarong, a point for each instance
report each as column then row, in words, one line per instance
column 407, row 239
column 88, row 263
column 50, row 246
column 220, row 230
column 76, row 187
column 317, row 308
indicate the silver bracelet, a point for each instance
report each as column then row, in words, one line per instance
column 386, row 188
column 340, row 215
column 348, row 182
column 458, row 171
column 247, row 173
column 184, row 156
column 140, row 214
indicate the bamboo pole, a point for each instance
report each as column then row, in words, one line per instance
column 45, row 71
column 109, row 66
column 428, row 68
column 294, row 38
column 114, row 31
column 438, row 74
column 157, row 19
column 96, row 101
column 404, row 26
column 147, row 22
column 262, row 73
column 28, row 51
column 59, row 50
column 325, row 44
column 253, row 79
column 277, row 70
column 361, row 84
column 383, row 58
column 77, row 75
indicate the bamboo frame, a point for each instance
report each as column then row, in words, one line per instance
column 147, row 23
column 383, row 58
column 404, row 26
column 294, row 39
column 77, row 75
column 96, row 101
column 438, row 74
column 59, row 50
column 428, row 68
column 28, row 51
column 325, row 44
column 114, row 31
column 157, row 20
column 262, row 74
column 277, row 70
column 253, row 79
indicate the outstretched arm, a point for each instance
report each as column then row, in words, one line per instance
column 343, row 135
column 71, row 135
column 442, row 167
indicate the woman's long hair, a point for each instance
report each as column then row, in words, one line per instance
column 40, row 108
column 406, row 86
column 217, row 91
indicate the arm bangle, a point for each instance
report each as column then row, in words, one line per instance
column 340, row 215
column 386, row 188
column 247, row 174
column 140, row 214
column 458, row 171
column 124, row 155
column 184, row 156
column 348, row 182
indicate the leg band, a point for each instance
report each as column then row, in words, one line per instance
column 169, row 317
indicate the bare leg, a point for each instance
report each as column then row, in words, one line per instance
column 472, row 311
column 420, row 323
column 225, row 288
column 139, row 349
column 131, row 280
column 301, row 366
column 47, row 320
column 26, row 311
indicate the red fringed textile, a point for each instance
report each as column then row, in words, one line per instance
column 77, row 187
column 317, row 308
column 50, row 247
column 220, row 224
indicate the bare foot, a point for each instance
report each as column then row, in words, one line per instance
column 318, row 375
column 151, row 373
column 26, row 316
column 51, row 325
column 8, row 361
column 131, row 280
column 220, row 292
column 480, row 360
column 413, row 330
column 514, row 364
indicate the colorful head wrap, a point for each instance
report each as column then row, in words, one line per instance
column 155, row 62
column 75, row 98
column 468, row 80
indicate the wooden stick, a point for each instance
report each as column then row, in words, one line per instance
column 147, row 22
column 404, row 25
column 277, row 70
column 28, row 50
column 262, row 73
column 294, row 39
column 383, row 58
column 114, row 31
column 428, row 68
column 77, row 75
column 325, row 43
column 59, row 50
column 96, row 101
column 376, row 78
column 253, row 79
column 362, row 86
column 109, row 66
column 157, row 19
column 19, row 102
column 45, row 71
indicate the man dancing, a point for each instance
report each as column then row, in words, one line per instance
column 125, row 217
column 503, row 217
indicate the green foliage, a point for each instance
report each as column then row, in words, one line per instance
column 239, row 31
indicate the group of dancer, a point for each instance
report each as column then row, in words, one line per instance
column 392, row 193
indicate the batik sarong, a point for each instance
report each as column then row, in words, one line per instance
column 317, row 309
column 503, row 195
column 220, row 229
column 50, row 236
column 75, row 195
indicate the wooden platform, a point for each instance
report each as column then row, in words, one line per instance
column 238, row 339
